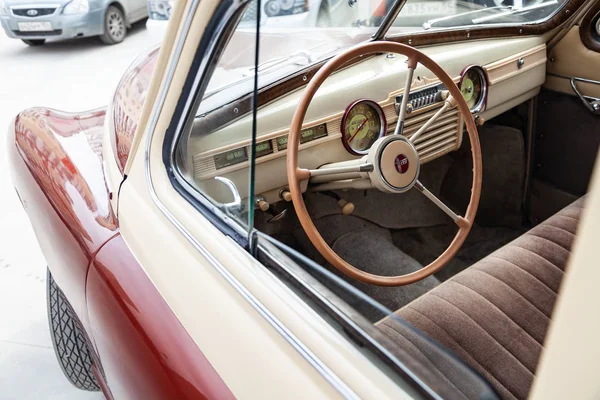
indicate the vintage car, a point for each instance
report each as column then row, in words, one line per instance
column 372, row 211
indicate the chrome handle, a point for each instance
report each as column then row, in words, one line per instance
column 236, row 205
column 592, row 104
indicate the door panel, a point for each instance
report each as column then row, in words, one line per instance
column 572, row 58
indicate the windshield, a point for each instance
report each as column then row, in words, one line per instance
column 297, row 33
column 293, row 35
column 429, row 15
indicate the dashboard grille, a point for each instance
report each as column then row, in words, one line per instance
column 440, row 138
column 443, row 136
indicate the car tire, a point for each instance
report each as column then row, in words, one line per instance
column 323, row 17
column 68, row 339
column 34, row 42
column 115, row 27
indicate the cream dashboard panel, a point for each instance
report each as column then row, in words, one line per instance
column 515, row 70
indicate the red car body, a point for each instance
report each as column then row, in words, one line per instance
column 140, row 348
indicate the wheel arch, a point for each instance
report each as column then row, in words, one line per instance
column 120, row 6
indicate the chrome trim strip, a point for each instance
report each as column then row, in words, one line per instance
column 308, row 355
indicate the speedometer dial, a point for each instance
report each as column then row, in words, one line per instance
column 362, row 124
column 473, row 86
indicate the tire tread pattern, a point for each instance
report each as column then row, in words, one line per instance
column 69, row 340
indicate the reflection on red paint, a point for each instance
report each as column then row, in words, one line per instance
column 128, row 102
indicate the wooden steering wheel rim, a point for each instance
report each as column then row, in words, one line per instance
column 296, row 175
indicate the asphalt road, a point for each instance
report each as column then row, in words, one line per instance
column 70, row 76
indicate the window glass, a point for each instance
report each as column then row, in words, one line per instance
column 215, row 154
column 217, row 164
column 430, row 15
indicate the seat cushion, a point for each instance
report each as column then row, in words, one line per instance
column 495, row 314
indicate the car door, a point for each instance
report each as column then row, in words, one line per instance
column 169, row 298
column 568, row 116
column 193, row 249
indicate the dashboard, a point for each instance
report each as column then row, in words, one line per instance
column 359, row 104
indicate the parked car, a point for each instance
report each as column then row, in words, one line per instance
column 337, row 215
column 35, row 22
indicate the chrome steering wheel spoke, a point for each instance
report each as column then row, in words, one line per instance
column 458, row 220
column 412, row 65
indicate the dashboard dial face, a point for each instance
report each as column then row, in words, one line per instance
column 362, row 124
column 473, row 87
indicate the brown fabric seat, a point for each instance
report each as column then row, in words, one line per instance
column 495, row 314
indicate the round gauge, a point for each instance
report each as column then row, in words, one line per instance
column 473, row 86
column 362, row 124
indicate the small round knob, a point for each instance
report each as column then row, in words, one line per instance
column 285, row 195
column 346, row 207
column 261, row 203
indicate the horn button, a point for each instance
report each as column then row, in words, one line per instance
column 396, row 164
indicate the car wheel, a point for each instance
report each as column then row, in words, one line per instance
column 114, row 26
column 68, row 339
column 34, row 42
column 323, row 18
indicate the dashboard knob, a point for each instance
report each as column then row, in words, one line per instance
column 261, row 203
column 346, row 207
column 285, row 195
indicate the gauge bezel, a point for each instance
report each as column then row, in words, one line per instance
column 382, row 121
column 480, row 105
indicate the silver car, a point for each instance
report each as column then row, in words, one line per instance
column 34, row 21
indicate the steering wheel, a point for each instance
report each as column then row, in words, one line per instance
column 391, row 165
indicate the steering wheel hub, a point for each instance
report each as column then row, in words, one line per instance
column 396, row 164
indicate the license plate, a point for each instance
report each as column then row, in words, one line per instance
column 440, row 8
column 35, row 26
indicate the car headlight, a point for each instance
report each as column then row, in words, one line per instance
column 277, row 8
column 160, row 9
column 77, row 7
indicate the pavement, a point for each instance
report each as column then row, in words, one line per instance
column 75, row 75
